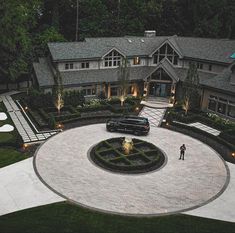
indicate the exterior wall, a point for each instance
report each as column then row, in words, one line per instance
column 205, row 102
column 77, row 65
column 215, row 67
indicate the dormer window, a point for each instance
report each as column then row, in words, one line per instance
column 166, row 51
column 68, row 66
column 113, row 59
column 136, row 61
column 85, row 65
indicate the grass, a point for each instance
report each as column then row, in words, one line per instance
column 6, row 137
column 64, row 217
column 9, row 156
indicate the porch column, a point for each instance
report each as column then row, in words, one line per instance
column 146, row 87
column 109, row 91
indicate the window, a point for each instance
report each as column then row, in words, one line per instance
column 89, row 90
column 114, row 91
column 136, row 61
column 68, row 66
column 231, row 109
column 166, row 51
column 210, row 67
column 85, row 65
column 221, row 105
column 113, row 59
column 212, row 105
column 221, row 108
column 200, row 66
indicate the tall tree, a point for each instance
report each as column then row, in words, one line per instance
column 191, row 88
column 58, row 92
column 18, row 17
column 123, row 77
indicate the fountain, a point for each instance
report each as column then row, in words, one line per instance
column 127, row 155
column 127, row 145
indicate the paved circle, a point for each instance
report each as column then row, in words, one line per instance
column 62, row 164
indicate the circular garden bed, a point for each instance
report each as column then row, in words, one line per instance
column 143, row 157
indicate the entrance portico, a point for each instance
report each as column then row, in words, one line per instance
column 162, row 82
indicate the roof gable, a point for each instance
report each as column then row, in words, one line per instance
column 171, row 42
column 111, row 50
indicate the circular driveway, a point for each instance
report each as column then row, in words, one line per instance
column 63, row 164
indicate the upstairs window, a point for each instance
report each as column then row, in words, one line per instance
column 136, row 61
column 85, row 65
column 113, row 59
column 68, row 66
column 210, row 67
column 200, row 66
column 166, row 51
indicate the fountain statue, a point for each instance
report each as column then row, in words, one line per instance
column 127, row 145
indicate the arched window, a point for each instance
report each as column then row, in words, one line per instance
column 166, row 51
column 113, row 59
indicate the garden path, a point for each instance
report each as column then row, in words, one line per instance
column 154, row 115
column 23, row 127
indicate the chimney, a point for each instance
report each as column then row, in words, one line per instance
column 150, row 33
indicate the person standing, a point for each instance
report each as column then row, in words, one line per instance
column 182, row 151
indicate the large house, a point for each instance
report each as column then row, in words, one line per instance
column 157, row 64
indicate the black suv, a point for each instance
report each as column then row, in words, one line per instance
column 129, row 124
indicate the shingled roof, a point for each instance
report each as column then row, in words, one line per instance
column 217, row 50
column 222, row 81
column 103, row 75
column 43, row 72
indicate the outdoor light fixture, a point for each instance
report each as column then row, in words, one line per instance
column 164, row 120
column 137, row 109
column 26, row 108
column 233, row 154
column 25, row 146
column 167, row 123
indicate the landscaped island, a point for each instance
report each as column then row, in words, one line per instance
column 143, row 157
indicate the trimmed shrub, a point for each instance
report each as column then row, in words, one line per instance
column 51, row 122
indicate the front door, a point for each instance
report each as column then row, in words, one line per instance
column 159, row 89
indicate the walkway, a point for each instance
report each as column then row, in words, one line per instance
column 21, row 188
column 154, row 115
column 202, row 127
column 28, row 135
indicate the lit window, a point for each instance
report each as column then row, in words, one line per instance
column 136, row 61
column 85, row 65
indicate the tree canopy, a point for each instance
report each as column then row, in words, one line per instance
column 27, row 25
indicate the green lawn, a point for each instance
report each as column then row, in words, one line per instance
column 9, row 156
column 6, row 137
column 63, row 217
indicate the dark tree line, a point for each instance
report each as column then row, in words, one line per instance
column 27, row 25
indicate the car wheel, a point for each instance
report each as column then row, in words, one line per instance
column 136, row 133
column 111, row 129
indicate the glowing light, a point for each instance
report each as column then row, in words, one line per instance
column 25, row 146
column 26, row 108
column 127, row 145
column 233, row 154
